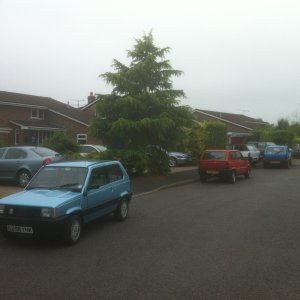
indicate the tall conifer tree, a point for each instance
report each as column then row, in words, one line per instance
column 143, row 108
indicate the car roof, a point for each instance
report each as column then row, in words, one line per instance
column 82, row 163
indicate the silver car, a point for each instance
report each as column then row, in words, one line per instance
column 248, row 151
column 178, row 158
column 21, row 163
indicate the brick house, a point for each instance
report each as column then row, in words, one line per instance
column 239, row 126
column 27, row 120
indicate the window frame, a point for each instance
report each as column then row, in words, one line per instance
column 81, row 137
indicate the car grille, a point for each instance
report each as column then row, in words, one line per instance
column 21, row 211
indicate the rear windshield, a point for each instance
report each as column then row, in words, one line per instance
column 214, row 155
column 44, row 152
column 275, row 149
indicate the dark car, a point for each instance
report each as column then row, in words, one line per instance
column 64, row 196
column 226, row 164
column 21, row 163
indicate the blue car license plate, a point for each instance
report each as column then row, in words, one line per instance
column 19, row 229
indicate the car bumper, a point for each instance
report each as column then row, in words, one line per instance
column 32, row 226
column 214, row 173
column 275, row 162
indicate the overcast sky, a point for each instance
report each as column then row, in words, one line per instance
column 238, row 56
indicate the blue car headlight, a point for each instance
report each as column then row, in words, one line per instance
column 2, row 209
column 47, row 212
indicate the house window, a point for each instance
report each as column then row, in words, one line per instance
column 81, row 138
column 37, row 114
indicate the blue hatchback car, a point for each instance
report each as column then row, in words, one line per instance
column 62, row 197
column 277, row 156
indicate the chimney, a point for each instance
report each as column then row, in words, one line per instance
column 91, row 98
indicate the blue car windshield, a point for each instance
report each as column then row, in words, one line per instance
column 275, row 149
column 58, row 177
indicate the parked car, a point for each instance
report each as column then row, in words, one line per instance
column 62, row 197
column 226, row 164
column 179, row 158
column 86, row 149
column 261, row 146
column 21, row 163
column 296, row 151
column 248, row 151
column 277, row 156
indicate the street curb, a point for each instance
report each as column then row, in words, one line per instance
column 166, row 186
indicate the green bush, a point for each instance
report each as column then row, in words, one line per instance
column 134, row 160
column 157, row 161
column 61, row 143
column 137, row 161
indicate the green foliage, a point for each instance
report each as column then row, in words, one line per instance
column 296, row 140
column 61, row 143
column 157, row 160
column 215, row 135
column 205, row 135
column 281, row 134
column 135, row 161
column 283, row 124
column 282, row 137
column 142, row 108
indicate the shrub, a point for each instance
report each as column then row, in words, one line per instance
column 137, row 161
column 134, row 160
column 61, row 143
column 157, row 161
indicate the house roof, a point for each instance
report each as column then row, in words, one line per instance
column 57, row 107
column 236, row 122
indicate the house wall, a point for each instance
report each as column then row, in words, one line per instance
column 72, row 128
column 14, row 113
column 7, row 114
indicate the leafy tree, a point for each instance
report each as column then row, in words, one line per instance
column 282, row 133
column 205, row 135
column 283, row 124
column 143, row 108
column 61, row 143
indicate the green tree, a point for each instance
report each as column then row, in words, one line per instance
column 143, row 108
column 61, row 143
column 206, row 135
column 283, row 124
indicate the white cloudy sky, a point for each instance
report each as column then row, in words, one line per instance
column 238, row 56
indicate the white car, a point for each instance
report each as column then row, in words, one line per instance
column 85, row 149
column 248, row 151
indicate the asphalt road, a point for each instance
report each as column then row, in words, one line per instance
column 197, row 241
